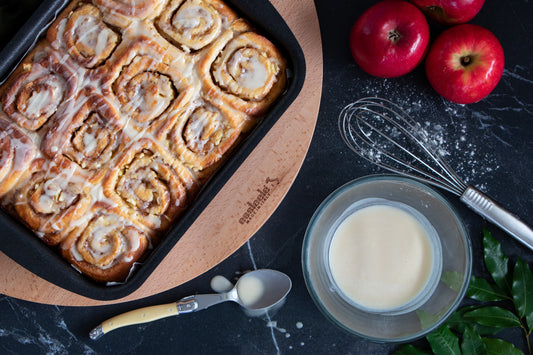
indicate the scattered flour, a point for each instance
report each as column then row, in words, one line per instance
column 450, row 129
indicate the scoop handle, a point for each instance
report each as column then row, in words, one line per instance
column 137, row 316
column 491, row 210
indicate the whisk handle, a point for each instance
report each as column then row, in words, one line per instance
column 488, row 208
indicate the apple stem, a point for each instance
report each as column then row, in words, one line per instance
column 394, row 35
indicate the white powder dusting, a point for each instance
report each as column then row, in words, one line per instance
column 449, row 129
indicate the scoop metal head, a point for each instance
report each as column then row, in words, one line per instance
column 261, row 290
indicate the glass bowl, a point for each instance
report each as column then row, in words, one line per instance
column 447, row 282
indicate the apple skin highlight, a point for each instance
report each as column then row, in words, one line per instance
column 390, row 38
column 465, row 63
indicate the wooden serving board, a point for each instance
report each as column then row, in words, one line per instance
column 272, row 166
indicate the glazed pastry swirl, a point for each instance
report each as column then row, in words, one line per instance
column 54, row 195
column 204, row 133
column 131, row 8
column 106, row 247
column 147, row 88
column 90, row 137
column 193, row 24
column 36, row 93
column 248, row 72
column 149, row 185
column 84, row 36
column 16, row 153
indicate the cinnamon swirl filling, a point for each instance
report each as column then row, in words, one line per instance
column 247, row 72
column 90, row 138
column 53, row 196
column 150, row 186
column 38, row 91
column 85, row 36
column 193, row 24
column 106, row 247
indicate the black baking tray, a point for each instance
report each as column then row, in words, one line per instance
column 24, row 247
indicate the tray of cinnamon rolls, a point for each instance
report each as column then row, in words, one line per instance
column 120, row 121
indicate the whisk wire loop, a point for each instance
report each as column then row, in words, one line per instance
column 386, row 135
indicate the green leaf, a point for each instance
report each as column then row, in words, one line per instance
column 410, row 350
column 493, row 317
column 499, row 347
column 458, row 322
column 482, row 290
column 496, row 262
column 472, row 343
column 523, row 291
column 428, row 319
column 453, row 280
column 443, row 341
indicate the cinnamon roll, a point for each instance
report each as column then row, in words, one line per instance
column 105, row 247
column 16, row 153
column 247, row 72
column 55, row 195
column 35, row 92
column 149, row 186
column 193, row 24
column 84, row 35
column 204, row 133
column 147, row 89
column 90, row 137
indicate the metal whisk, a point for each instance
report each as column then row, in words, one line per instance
column 383, row 133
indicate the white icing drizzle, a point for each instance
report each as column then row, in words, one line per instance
column 253, row 74
column 20, row 149
column 191, row 17
column 39, row 100
column 91, row 35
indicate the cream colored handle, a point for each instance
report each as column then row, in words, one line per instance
column 137, row 316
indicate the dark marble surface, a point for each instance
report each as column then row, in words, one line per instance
column 490, row 144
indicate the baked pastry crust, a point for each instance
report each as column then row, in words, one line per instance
column 246, row 71
column 192, row 25
column 204, row 132
column 84, row 35
column 149, row 186
column 89, row 137
column 16, row 153
column 106, row 246
column 55, row 195
column 115, row 120
column 39, row 88
column 147, row 88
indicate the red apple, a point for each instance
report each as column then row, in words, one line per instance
column 465, row 63
column 390, row 38
column 450, row 12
